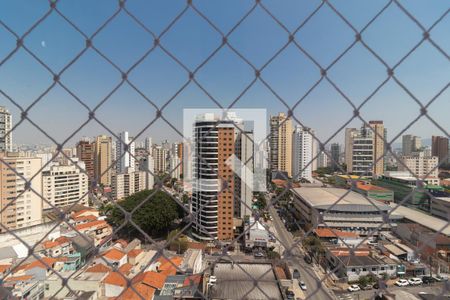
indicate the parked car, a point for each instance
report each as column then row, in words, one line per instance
column 258, row 254
column 367, row 287
column 290, row 294
column 296, row 274
column 302, row 285
column 307, row 259
column 428, row 279
column 402, row 282
column 353, row 288
column 415, row 281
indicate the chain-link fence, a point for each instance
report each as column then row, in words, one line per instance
column 224, row 274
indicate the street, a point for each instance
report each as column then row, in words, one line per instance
column 296, row 261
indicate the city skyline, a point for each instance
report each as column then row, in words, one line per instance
column 225, row 76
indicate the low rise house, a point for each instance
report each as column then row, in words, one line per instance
column 98, row 230
column 364, row 262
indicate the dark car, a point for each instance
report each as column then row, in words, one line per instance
column 428, row 279
column 290, row 294
column 296, row 274
column 307, row 259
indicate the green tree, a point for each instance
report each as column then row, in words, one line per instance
column 261, row 202
column 154, row 216
column 273, row 255
column 178, row 243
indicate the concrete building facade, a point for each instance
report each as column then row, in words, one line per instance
column 103, row 160
column 65, row 185
column 5, row 128
column 302, row 153
column 21, row 206
column 281, row 143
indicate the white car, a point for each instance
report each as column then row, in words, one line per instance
column 415, row 281
column 402, row 282
column 302, row 285
column 353, row 288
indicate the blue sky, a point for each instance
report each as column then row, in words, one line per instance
column 191, row 40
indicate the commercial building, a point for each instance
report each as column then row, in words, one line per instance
column 440, row 207
column 420, row 164
column 229, row 280
column 5, row 128
column 302, row 154
column 85, row 152
column 410, row 144
column 439, row 148
column 365, row 149
column 281, row 143
column 125, row 161
column 340, row 209
column 103, row 160
column 256, row 234
column 175, row 167
column 335, row 151
column 216, row 188
column 65, row 185
column 374, row 192
column 20, row 206
column 402, row 184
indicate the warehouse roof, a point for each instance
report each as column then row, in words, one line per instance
column 323, row 198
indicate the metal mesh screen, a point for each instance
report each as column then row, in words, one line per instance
column 292, row 248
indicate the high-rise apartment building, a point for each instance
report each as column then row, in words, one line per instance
column 85, row 152
column 335, row 151
column 420, row 164
column 5, row 128
column 244, row 188
column 20, row 206
column 125, row 161
column 379, row 148
column 365, row 149
column 148, row 145
column 103, row 160
column 281, row 143
column 128, row 183
column 160, row 155
column 410, row 144
column 149, row 169
column 215, row 187
column 350, row 135
column 439, row 148
column 302, row 153
column 175, row 167
column 65, row 185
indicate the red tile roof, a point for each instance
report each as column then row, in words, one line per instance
column 113, row 254
column 98, row 268
column 152, row 279
column 333, row 233
column 97, row 224
column 125, row 268
column 3, row 268
column 369, row 187
column 77, row 214
column 144, row 292
column 19, row 278
column 38, row 263
column 114, row 278
column 134, row 252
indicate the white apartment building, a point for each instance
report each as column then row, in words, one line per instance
column 21, row 207
column 302, row 153
column 5, row 127
column 420, row 164
column 149, row 169
column 175, row 167
column 160, row 155
column 126, row 184
column 125, row 159
column 65, row 185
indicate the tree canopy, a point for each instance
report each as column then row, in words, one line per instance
column 154, row 217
